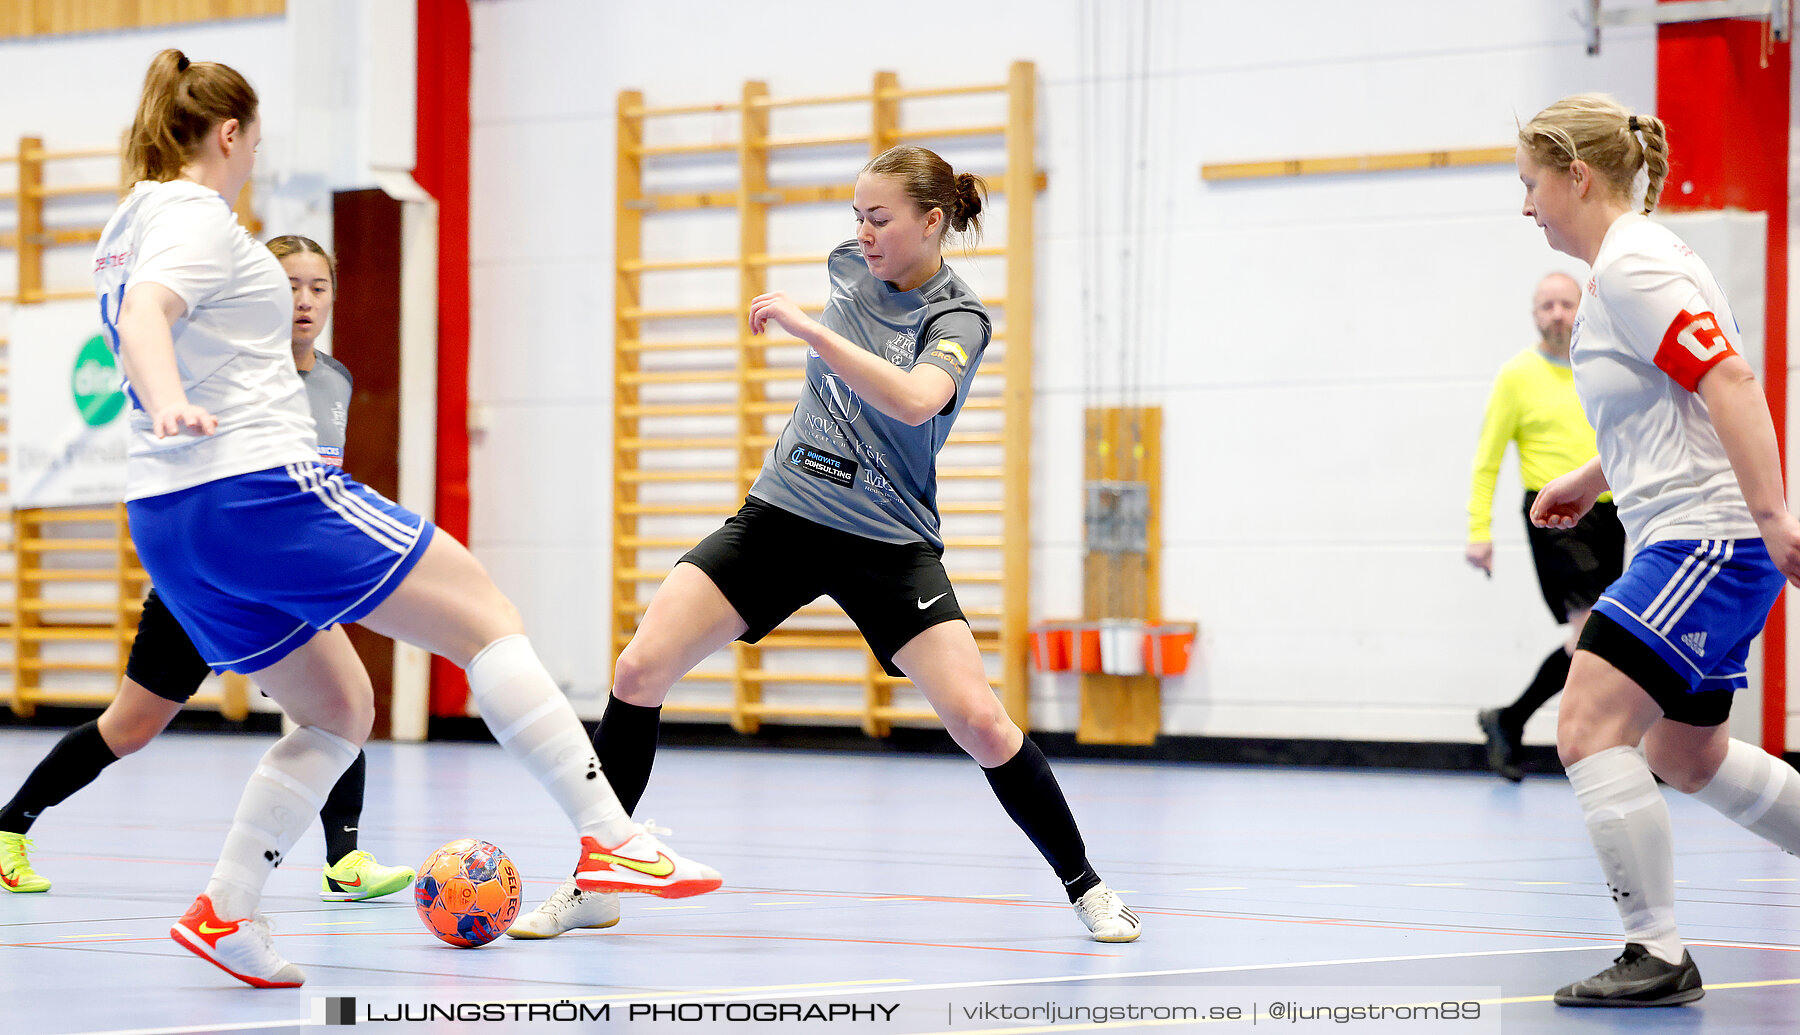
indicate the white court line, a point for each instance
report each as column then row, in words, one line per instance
column 1128, row 975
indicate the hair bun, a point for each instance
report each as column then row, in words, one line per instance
column 968, row 200
column 181, row 62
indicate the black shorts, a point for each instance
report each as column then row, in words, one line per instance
column 1607, row 639
column 163, row 660
column 770, row 563
column 1575, row 565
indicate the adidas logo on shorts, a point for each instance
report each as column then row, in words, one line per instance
column 1696, row 642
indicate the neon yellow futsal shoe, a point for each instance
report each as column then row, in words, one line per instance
column 16, row 874
column 357, row 877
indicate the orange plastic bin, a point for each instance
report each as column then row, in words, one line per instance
column 1169, row 648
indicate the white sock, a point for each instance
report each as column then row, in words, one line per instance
column 1759, row 792
column 532, row 719
column 279, row 803
column 1628, row 821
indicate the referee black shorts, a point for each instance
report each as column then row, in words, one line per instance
column 163, row 660
column 770, row 562
column 1575, row 565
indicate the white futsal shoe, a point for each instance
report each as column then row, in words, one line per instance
column 567, row 910
column 241, row 948
column 1107, row 916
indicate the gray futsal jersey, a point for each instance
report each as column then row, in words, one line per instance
column 328, row 390
column 840, row 461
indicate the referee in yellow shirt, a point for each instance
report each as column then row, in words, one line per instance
column 1534, row 404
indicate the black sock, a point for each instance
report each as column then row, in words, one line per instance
column 1548, row 682
column 343, row 810
column 1030, row 795
column 626, row 746
column 71, row 765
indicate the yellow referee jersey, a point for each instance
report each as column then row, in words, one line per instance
column 1533, row 404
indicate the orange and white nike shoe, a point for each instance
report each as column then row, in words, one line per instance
column 242, row 948
column 644, row 865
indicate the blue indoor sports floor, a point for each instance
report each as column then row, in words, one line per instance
column 857, row 880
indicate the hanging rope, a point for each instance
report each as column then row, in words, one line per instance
column 1126, row 255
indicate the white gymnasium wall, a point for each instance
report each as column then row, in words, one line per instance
column 1325, row 344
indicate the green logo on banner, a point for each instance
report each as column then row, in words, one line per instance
column 95, row 383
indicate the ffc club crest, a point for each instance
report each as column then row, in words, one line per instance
column 900, row 349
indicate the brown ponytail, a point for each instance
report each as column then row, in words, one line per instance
column 182, row 102
column 930, row 182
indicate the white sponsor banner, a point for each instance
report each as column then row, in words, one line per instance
column 68, row 413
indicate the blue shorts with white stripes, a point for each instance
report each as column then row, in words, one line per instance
column 252, row 565
column 1697, row 603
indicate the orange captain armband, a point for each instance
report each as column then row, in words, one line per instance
column 1692, row 345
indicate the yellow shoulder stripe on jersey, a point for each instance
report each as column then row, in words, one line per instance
column 951, row 351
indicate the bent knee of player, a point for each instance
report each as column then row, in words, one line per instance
column 354, row 721
column 347, row 711
column 639, row 679
column 1583, row 731
column 128, row 724
column 985, row 731
column 131, row 734
column 1685, row 775
column 1687, row 759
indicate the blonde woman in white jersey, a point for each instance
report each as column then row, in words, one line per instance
column 260, row 550
column 1689, row 452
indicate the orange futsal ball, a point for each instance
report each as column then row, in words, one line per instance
column 467, row 893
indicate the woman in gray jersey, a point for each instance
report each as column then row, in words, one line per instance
column 846, row 507
column 165, row 669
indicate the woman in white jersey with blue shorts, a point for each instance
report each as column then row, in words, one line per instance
column 260, row 550
column 1689, row 452
column 846, row 507
column 165, row 670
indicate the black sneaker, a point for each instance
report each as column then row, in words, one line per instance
column 1637, row 978
column 1502, row 747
